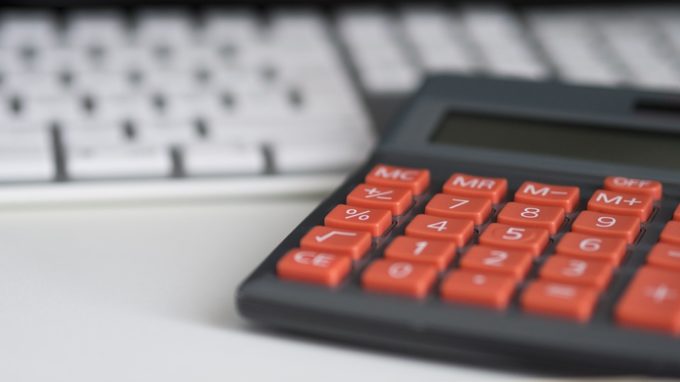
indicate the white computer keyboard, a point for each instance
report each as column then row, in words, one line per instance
column 176, row 102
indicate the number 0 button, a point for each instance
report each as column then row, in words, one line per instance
column 399, row 277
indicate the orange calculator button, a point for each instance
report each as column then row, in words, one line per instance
column 609, row 225
column 434, row 227
column 550, row 218
column 434, row 252
column 478, row 288
column 313, row 267
column 532, row 240
column 651, row 188
column 577, row 271
column 548, row 195
column 665, row 256
column 399, row 277
column 559, row 299
column 676, row 215
column 415, row 179
column 463, row 207
column 671, row 233
column 372, row 220
column 592, row 247
column 343, row 242
column 396, row 200
column 500, row 261
column 621, row 204
column 652, row 301
column 476, row 186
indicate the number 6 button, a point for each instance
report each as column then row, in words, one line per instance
column 532, row 240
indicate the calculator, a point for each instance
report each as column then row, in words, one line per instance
column 532, row 220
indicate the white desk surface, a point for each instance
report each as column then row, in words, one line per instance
column 145, row 293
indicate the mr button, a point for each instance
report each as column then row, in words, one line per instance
column 475, row 186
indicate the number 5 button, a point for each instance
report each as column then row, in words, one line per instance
column 532, row 240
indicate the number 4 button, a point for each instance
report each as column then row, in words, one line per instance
column 432, row 227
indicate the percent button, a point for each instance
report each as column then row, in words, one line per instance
column 372, row 220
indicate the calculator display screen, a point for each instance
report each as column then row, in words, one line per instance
column 576, row 141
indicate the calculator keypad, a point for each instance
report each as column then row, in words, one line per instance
column 467, row 244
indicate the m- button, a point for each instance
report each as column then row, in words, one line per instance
column 621, row 204
column 548, row 195
column 414, row 179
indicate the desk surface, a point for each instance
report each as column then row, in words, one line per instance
column 145, row 293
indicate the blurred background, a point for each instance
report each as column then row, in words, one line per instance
column 151, row 154
column 101, row 91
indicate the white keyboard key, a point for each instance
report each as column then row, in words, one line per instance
column 165, row 135
column 91, row 29
column 25, row 164
column 93, row 135
column 308, row 156
column 133, row 161
column 164, row 27
column 32, row 85
column 27, row 29
column 501, row 40
column 635, row 42
column 229, row 25
column 571, row 43
column 223, row 159
column 374, row 47
column 436, row 39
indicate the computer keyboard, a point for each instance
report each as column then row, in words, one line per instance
column 106, row 104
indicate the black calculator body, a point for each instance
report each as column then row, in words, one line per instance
column 539, row 221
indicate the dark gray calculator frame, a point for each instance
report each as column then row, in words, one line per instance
column 442, row 329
